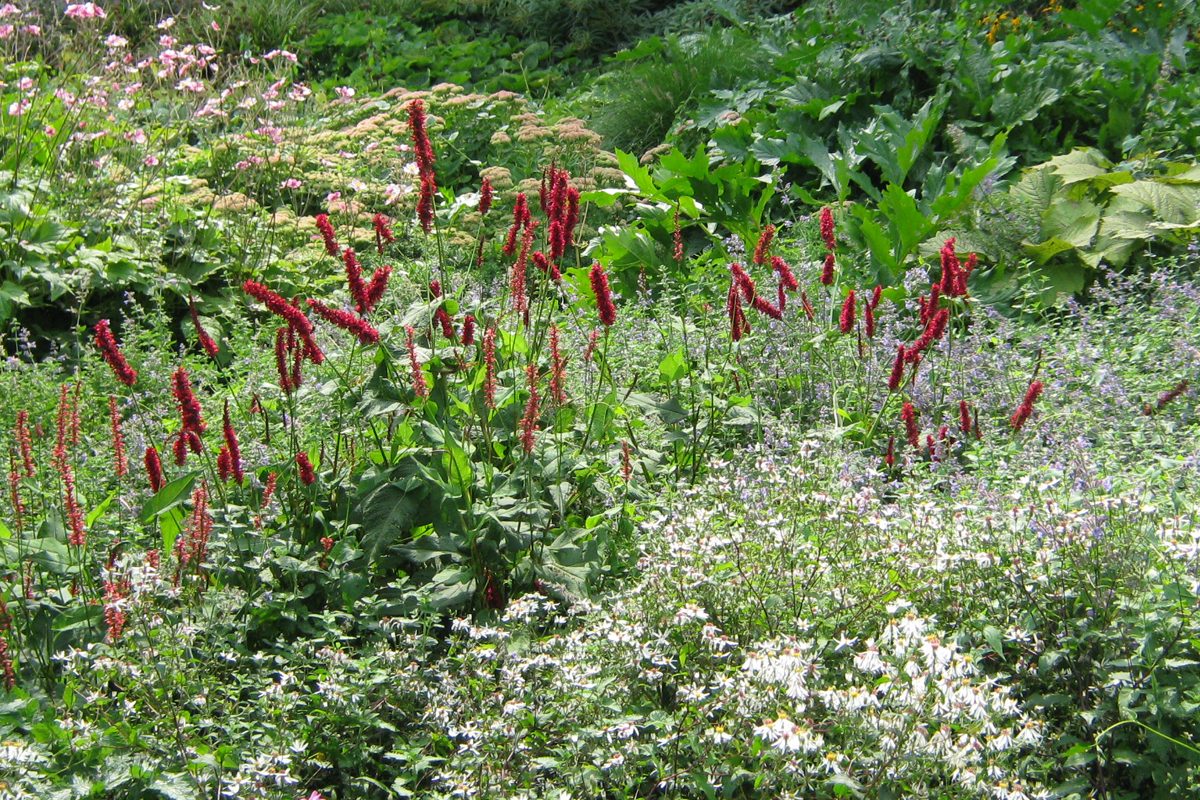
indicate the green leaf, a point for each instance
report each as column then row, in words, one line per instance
column 995, row 639
column 99, row 510
column 674, row 366
column 1044, row 251
column 169, row 496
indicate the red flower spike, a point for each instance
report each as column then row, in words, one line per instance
column 179, row 449
column 281, row 359
column 206, row 341
column 765, row 308
column 120, row 461
column 354, row 279
column 964, row 273
column 422, row 149
column 280, row 307
column 827, row 271
column 908, row 415
column 890, row 458
column 964, row 416
column 604, row 301
column 326, row 229
column 520, row 215
column 224, row 469
column 950, row 270
column 896, row 380
column 383, row 232
column 233, row 448
column 489, row 365
column 869, row 320
column 365, row 332
column 572, row 216
column 529, row 421
column 876, row 296
column 112, row 354
column 420, row 385
column 485, row 197
column 378, row 285
column 846, row 320
column 743, row 282
column 468, row 332
column 269, row 489
column 185, row 399
column 763, row 249
column 786, row 279
column 443, row 319
column 1025, row 410
column 827, row 228
column 304, row 468
column 930, row 308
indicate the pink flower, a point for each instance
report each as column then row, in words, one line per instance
column 291, row 183
column 344, row 92
column 85, row 11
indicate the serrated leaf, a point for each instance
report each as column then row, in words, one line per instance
column 1170, row 203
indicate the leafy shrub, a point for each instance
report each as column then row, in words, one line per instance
column 663, row 81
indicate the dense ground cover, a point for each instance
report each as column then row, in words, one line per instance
column 406, row 402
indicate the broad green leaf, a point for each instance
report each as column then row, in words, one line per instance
column 1071, row 222
column 1170, row 203
column 169, row 496
column 1042, row 252
column 674, row 366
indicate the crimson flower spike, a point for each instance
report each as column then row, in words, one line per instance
column 827, row 229
column 383, row 233
column 154, row 469
column 486, row 193
column 908, row 415
column 846, row 320
column 377, row 286
column 424, row 155
column 326, row 230
column 604, row 301
column 365, row 332
column 896, row 379
column 763, row 249
column 1025, row 410
column 112, row 354
column 206, row 341
column 950, row 270
column 521, row 217
column 232, row 447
